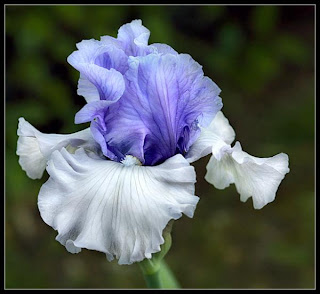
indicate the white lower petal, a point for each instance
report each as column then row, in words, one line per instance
column 34, row 148
column 215, row 136
column 254, row 177
column 117, row 209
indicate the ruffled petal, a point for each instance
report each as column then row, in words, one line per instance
column 221, row 127
column 111, row 41
column 109, row 83
column 105, row 54
column 34, row 148
column 212, row 139
column 87, row 52
column 119, row 209
column 91, row 111
column 88, row 90
column 254, row 177
column 167, row 99
column 101, row 66
column 110, row 86
column 114, row 58
column 164, row 48
column 134, row 39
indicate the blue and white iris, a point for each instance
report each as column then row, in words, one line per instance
column 114, row 186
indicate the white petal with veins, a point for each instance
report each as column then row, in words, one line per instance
column 216, row 135
column 252, row 176
column 34, row 148
column 117, row 209
column 221, row 127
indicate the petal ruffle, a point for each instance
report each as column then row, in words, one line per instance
column 114, row 208
column 109, row 83
column 34, row 148
column 105, row 54
column 101, row 66
column 167, row 98
column 134, row 38
column 92, row 110
column 221, row 127
column 212, row 139
column 88, row 90
column 164, row 48
column 252, row 176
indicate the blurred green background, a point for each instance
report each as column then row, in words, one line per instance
column 262, row 57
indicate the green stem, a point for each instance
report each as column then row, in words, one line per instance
column 161, row 277
column 153, row 280
column 156, row 272
column 167, row 278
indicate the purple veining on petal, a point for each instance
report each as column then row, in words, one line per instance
column 94, row 57
column 134, row 38
column 143, row 100
column 165, row 99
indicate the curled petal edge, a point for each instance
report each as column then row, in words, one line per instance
column 115, row 208
column 254, row 177
column 212, row 138
column 34, row 148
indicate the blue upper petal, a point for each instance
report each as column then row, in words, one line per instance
column 134, row 38
column 101, row 68
column 143, row 100
column 165, row 101
column 108, row 53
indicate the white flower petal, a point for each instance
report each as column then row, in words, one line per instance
column 252, row 176
column 34, row 148
column 212, row 138
column 117, row 209
column 221, row 127
column 31, row 159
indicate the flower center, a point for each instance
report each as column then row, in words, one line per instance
column 130, row 160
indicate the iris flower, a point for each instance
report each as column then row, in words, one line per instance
column 114, row 186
